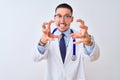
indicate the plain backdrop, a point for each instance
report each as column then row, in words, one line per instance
column 20, row 30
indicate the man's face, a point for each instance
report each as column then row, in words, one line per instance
column 63, row 18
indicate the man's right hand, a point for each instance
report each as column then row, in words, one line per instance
column 47, row 35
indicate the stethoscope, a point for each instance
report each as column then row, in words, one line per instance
column 74, row 57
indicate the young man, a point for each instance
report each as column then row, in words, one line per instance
column 62, row 52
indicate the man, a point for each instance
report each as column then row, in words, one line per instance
column 62, row 51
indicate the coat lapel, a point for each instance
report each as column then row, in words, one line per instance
column 69, row 50
column 56, row 49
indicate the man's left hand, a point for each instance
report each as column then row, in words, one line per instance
column 85, row 38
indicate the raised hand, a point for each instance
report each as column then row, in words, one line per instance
column 85, row 38
column 47, row 35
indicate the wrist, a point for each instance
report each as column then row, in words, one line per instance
column 42, row 42
column 90, row 42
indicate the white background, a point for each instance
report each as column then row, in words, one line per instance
column 20, row 29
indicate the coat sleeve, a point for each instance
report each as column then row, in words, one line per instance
column 37, row 56
column 95, row 53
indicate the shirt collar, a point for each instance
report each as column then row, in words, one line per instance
column 66, row 32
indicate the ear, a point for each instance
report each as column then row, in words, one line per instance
column 72, row 18
column 54, row 17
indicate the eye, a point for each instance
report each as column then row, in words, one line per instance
column 67, row 16
column 58, row 16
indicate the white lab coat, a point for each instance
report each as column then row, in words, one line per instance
column 70, row 70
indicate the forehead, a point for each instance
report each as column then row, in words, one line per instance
column 63, row 11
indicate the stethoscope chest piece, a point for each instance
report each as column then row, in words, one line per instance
column 74, row 57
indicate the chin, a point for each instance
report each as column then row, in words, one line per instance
column 62, row 30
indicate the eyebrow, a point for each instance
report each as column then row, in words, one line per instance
column 63, row 15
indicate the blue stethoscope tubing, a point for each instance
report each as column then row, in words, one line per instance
column 74, row 45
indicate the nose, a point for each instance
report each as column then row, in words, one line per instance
column 62, row 20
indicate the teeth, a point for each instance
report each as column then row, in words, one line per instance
column 62, row 25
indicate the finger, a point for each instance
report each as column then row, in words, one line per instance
column 80, row 21
column 82, row 40
column 50, row 22
column 83, row 27
column 73, row 35
column 52, row 37
column 77, row 42
column 44, row 25
column 85, row 40
column 57, row 36
column 76, row 35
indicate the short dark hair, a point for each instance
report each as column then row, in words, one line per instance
column 64, row 5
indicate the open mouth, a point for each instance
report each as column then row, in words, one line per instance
column 62, row 25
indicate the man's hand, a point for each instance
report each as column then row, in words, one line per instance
column 85, row 38
column 47, row 35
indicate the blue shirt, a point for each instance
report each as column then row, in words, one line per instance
column 87, row 49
